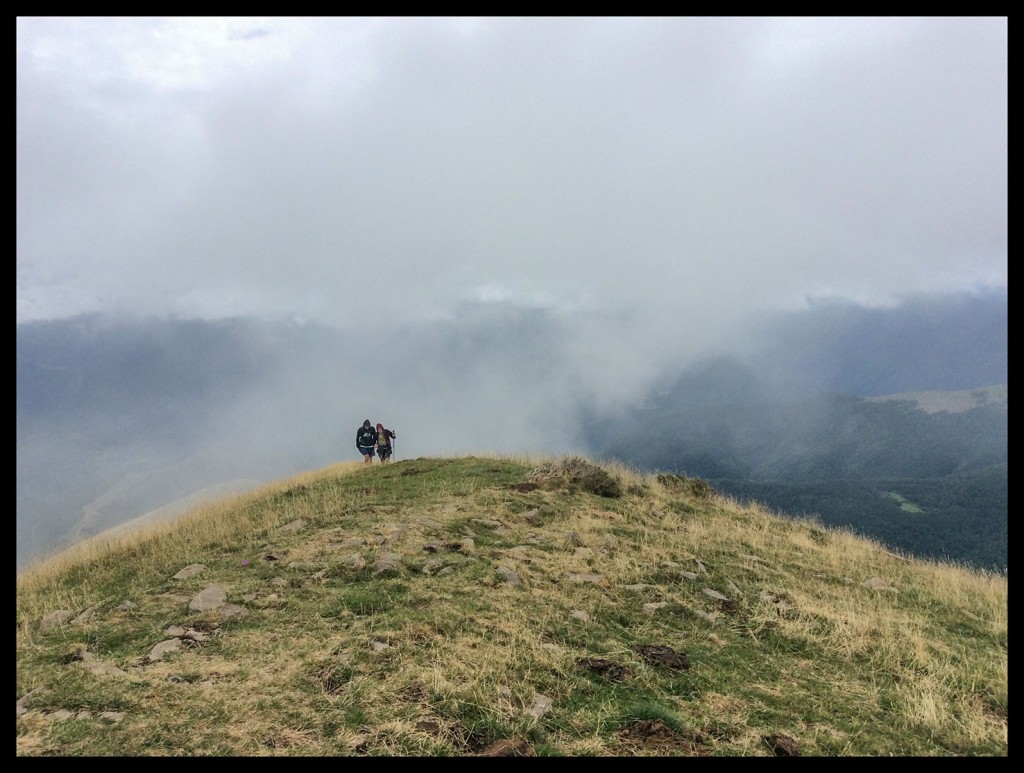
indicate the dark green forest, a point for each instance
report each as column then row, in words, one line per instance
column 960, row 518
column 933, row 485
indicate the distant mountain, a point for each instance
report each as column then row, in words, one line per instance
column 116, row 418
column 821, row 437
column 928, row 343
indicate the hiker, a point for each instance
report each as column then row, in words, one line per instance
column 384, row 447
column 366, row 439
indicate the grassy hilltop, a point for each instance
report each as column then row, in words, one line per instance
column 504, row 607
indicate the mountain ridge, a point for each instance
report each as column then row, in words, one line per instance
column 497, row 606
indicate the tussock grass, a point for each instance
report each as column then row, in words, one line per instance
column 823, row 636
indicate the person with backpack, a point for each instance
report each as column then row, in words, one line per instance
column 384, row 444
column 366, row 439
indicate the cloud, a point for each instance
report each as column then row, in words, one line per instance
column 649, row 186
column 670, row 168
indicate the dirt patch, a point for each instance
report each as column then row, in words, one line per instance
column 652, row 737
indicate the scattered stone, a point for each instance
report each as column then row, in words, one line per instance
column 211, row 597
column 711, row 593
column 354, row 561
column 297, row 525
column 231, row 610
column 55, row 619
column 465, row 546
column 100, row 668
column 190, row 571
column 540, row 705
column 393, row 536
column 24, row 699
column 433, row 565
column 162, row 649
column 86, row 615
column 509, row 577
column 532, row 516
column 877, row 583
column 388, row 562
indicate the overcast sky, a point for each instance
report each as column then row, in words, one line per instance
column 668, row 168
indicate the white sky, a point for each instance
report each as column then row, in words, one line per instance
column 673, row 172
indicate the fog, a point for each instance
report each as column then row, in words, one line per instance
column 479, row 231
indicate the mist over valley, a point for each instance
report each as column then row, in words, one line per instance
column 121, row 417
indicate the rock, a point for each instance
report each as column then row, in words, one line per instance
column 540, row 705
column 55, row 619
column 508, row 576
column 211, row 597
column 190, row 571
column 162, row 649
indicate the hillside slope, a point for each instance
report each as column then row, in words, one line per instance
column 504, row 607
column 840, row 458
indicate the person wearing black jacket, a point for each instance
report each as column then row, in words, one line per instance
column 366, row 439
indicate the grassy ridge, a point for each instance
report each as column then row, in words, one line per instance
column 445, row 655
